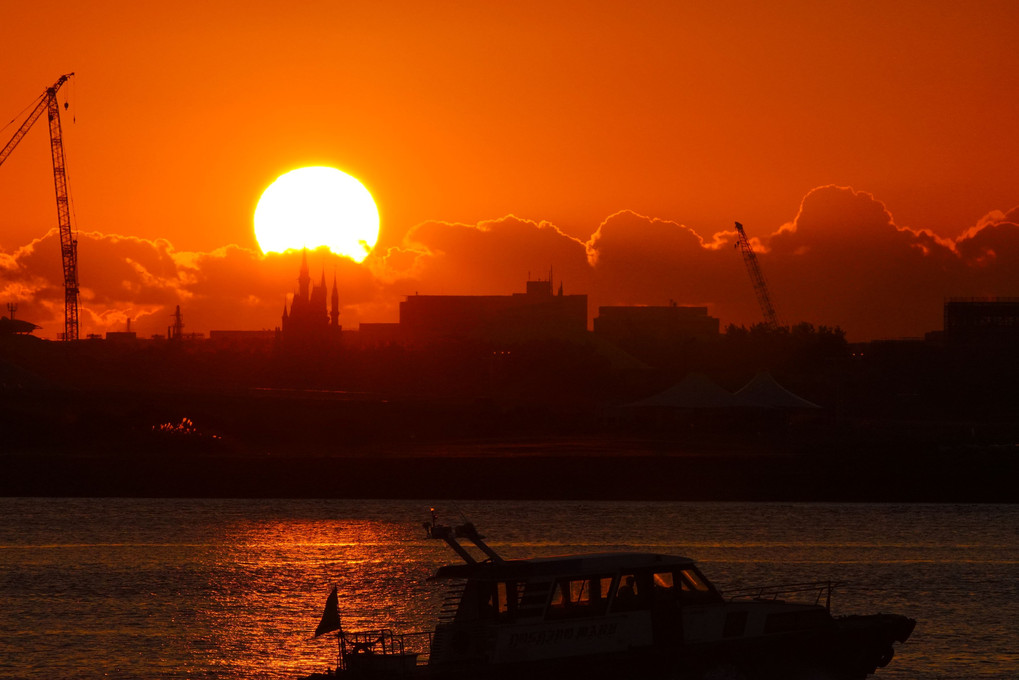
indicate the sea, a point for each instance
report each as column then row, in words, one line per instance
column 141, row 588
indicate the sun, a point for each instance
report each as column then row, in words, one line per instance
column 317, row 206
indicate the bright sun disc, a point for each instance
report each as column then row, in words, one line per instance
column 317, row 206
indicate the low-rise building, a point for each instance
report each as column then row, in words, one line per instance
column 535, row 313
column 986, row 321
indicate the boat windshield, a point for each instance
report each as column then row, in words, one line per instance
column 663, row 580
column 664, row 590
column 693, row 581
column 639, row 590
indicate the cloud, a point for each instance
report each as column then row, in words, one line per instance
column 123, row 277
column 494, row 256
column 991, row 256
column 644, row 260
column 842, row 260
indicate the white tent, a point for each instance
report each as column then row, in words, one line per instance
column 695, row 391
column 764, row 392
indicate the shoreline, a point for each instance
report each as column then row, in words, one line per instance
column 491, row 471
column 298, row 444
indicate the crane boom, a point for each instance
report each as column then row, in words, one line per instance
column 68, row 243
column 757, row 278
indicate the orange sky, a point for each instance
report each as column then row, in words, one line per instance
column 626, row 137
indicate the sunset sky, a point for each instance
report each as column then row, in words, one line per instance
column 869, row 148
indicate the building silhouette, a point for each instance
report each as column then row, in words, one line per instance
column 308, row 321
column 11, row 326
column 534, row 314
column 984, row 321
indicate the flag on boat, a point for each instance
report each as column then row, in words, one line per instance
column 331, row 616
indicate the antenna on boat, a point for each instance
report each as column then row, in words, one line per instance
column 466, row 530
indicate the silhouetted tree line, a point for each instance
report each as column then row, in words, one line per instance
column 495, row 387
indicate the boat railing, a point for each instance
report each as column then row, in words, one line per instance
column 385, row 643
column 820, row 589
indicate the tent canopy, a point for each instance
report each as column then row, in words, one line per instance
column 697, row 391
column 764, row 392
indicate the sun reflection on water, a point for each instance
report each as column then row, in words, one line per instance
column 274, row 576
column 234, row 589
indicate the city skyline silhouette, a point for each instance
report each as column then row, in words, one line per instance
column 861, row 147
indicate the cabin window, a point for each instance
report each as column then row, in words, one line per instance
column 664, row 587
column 488, row 599
column 694, row 581
column 507, row 598
column 497, row 600
column 580, row 597
column 628, row 593
column 533, row 596
column 695, row 588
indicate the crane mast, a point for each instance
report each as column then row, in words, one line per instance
column 68, row 243
column 757, row 278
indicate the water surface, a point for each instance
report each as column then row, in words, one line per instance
column 126, row 588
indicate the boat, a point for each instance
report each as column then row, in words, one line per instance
column 614, row 615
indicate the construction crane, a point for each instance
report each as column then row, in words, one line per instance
column 68, row 242
column 757, row 278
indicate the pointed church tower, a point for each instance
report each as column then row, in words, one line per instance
column 304, row 280
column 305, row 324
column 334, row 310
column 317, row 309
column 322, row 287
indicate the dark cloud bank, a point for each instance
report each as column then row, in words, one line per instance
column 841, row 261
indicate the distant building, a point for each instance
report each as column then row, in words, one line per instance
column 12, row 326
column 623, row 325
column 242, row 339
column 307, row 321
column 378, row 334
column 989, row 321
column 535, row 313
column 126, row 337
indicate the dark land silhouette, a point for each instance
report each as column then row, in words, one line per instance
column 532, row 418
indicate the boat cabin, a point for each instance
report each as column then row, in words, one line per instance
column 578, row 586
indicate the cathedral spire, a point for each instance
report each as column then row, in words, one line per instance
column 334, row 312
column 304, row 280
column 306, row 323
